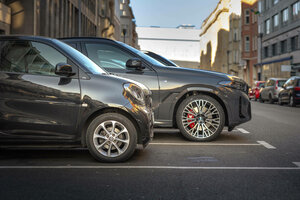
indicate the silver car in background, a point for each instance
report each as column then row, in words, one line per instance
column 271, row 89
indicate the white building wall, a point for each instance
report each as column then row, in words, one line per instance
column 172, row 43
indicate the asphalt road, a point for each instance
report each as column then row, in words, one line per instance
column 258, row 160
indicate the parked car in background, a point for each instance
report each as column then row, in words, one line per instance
column 53, row 95
column 200, row 103
column 290, row 92
column 160, row 59
column 269, row 92
column 255, row 91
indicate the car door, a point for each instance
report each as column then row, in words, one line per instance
column 35, row 103
column 285, row 92
column 263, row 93
column 113, row 58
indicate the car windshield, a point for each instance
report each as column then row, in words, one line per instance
column 141, row 54
column 281, row 83
column 85, row 61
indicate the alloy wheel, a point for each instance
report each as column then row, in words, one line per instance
column 201, row 118
column 111, row 138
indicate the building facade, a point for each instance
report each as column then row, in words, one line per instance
column 234, row 47
column 279, row 44
column 5, row 18
column 214, row 37
column 181, row 45
column 128, row 26
column 67, row 18
column 249, row 16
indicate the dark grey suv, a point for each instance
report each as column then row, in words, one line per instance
column 198, row 102
column 51, row 94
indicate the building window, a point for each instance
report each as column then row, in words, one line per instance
column 247, row 44
column 285, row 16
column 283, row 46
column 275, row 2
column 266, row 52
column 236, row 34
column 267, row 25
column 260, row 6
column 295, row 43
column 296, row 10
column 247, row 16
column 275, row 21
column 274, row 49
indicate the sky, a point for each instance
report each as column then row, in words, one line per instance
column 171, row 13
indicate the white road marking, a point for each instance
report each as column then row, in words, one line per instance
column 297, row 164
column 267, row 145
column 149, row 167
column 243, row 130
column 201, row 144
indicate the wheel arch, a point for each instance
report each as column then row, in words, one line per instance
column 101, row 112
column 207, row 92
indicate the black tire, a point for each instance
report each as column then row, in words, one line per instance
column 271, row 101
column 292, row 101
column 280, row 101
column 130, row 134
column 184, row 129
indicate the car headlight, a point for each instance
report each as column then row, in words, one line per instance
column 134, row 93
column 235, row 83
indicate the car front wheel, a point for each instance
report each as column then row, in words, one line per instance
column 292, row 102
column 200, row 118
column 111, row 137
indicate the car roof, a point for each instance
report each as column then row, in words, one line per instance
column 84, row 38
column 279, row 79
column 26, row 37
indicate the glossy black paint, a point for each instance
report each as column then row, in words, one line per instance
column 291, row 88
column 170, row 85
column 41, row 108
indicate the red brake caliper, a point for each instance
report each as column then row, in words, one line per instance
column 190, row 116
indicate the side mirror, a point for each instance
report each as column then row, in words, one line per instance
column 134, row 63
column 64, row 69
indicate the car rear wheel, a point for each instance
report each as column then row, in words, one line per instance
column 292, row 102
column 111, row 137
column 200, row 118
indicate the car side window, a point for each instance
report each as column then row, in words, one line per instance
column 31, row 57
column 43, row 59
column 12, row 56
column 107, row 56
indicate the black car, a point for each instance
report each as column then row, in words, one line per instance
column 290, row 92
column 160, row 58
column 51, row 94
column 198, row 102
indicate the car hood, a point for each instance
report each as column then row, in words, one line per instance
column 196, row 72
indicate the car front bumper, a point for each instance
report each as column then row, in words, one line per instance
column 237, row 105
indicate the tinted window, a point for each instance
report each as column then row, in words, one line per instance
column 280, row 83
column 44, row 59
column 108, row 56
column 144, row 56
column 261, row 84
column 13, row 56
column 298, row 83
column 31, row 57
column 82, row 59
